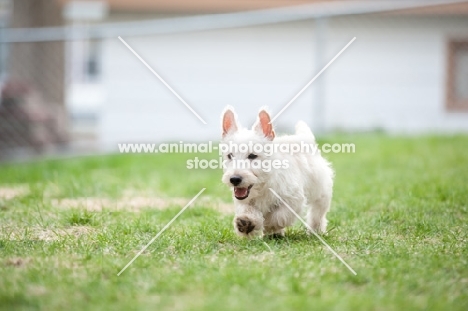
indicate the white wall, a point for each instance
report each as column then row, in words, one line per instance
column 392, row 78
column 245, row 68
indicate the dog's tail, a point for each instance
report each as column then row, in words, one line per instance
column 302, row 129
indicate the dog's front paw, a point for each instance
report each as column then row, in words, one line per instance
column 245, row 226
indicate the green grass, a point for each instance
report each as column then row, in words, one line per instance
column 399, row 218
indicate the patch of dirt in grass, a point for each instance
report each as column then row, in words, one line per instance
column 47, row 235
column 55, row 234
column 137, row 203
column 125, row 204
column 11, row 192
column 36, row 290
column 220, row 206
column 17, row 262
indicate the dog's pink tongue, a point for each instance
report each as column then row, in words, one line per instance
column 240, row 192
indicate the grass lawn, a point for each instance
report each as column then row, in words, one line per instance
column 399, row 218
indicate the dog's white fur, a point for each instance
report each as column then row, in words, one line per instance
column 307, row 184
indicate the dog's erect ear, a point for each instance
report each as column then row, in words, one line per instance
column 229, row 122
column 263, row 125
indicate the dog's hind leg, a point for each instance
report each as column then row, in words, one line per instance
column 316, row 217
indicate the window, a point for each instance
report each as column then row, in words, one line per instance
column 457, row 87
column 93, row 70
column 85, row 61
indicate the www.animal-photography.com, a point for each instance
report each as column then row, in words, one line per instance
column 216, row 155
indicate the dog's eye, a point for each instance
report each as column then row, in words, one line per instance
column 230, row 156
column 252, row 156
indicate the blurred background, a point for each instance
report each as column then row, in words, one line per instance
column 69, row 86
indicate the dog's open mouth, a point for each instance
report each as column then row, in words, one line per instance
column 242, row 193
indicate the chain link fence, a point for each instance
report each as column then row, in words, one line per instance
column 33, row 116
column 59, row 64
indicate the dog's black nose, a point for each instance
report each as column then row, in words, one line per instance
column 235, row 180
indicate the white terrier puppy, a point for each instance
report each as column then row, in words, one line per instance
column 304, row 180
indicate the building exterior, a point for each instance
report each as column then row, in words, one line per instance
column 407, row 71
